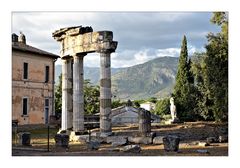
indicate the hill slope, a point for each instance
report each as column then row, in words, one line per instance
column 154, row 78
column 92, row 73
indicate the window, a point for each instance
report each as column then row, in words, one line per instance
column 46, row 110
column 46, row 74
column 25, row 70
column 25, row 106
column 47, row 103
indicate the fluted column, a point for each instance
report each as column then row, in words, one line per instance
column 78, row 99
column 67, row 107
column 105, row 93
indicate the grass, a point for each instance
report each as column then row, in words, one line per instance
column 38, row 136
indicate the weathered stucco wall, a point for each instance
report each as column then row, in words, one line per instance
column 34, row 88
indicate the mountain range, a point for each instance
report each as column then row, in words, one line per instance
column 154, row 78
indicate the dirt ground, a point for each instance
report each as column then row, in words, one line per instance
column 190, row 133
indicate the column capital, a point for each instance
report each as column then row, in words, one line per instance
column 107, row 47
column 66, row 58
column 79, row 55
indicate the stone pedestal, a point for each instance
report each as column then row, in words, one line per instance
column 61, row 140
column 24, row 138
column 67, row 109
column 105, row 94
column 144, row 119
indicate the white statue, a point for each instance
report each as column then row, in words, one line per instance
column 173, row 109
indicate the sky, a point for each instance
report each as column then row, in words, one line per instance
column 141, row 36
column 39, row 26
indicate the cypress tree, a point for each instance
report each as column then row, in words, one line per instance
column 182, row 89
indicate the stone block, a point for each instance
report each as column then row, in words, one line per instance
column 105, row 134
column 203, row 144
column 79, row 138
column 24, row 138
column 140, row 140
column 99, row 139
column 158, row 140
column 61, row 140
column 173, row 121
column 211, row 140
column 96, row 134
column 152, row 134
column 223, row 138
column 111, row 139
column 171, row 143
column 132, row 148
column 117, row 140
column 93, row 145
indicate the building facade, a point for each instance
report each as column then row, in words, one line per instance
column 32, row 83
column 125, row 115
column 149, row 106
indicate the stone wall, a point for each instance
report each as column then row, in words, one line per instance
column 34, row 88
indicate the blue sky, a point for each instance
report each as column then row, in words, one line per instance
column 141, row 36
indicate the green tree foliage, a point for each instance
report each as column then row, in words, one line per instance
column 162, row 107
column 221, row 19
column 216, row 68
column 137, row 103
column 202, row 103
column 184, row 87
column 117, row 103
column 58, row 96
column 91, row 97
column 152, row 99
column 210, row 71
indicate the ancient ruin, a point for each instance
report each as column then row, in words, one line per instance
column 77, row 42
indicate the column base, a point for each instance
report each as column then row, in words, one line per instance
column 79, row 136
column 62, row 131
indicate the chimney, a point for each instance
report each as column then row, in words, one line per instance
column 22, row 38
column 14, row 38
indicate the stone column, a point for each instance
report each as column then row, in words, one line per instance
column 78, row 99
column 144, row 121
column 105, row 94
column 67, row 94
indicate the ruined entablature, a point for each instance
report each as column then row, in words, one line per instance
column 82, row 40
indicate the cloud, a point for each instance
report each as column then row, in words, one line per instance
column 141, row 36
column 172, row 52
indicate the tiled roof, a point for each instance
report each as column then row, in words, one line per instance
column 28, row 48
